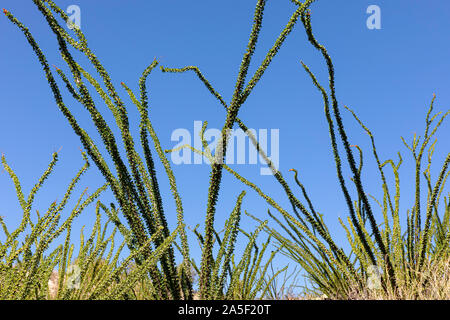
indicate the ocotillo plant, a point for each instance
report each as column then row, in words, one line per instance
column 330, row 268
column 137, row 190
column 137, row 193
column 30, row 272
column 387, row 254
column 33, row 266
column 309, row 242
column 401, row 257
column 26, row 271
column 247, row 276
column 240, row 95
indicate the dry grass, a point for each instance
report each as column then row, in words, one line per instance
column 433, row 283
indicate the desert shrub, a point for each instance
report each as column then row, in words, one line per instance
column 396, row 260
column 135, row 186
column 301, row 233
column 33, row 271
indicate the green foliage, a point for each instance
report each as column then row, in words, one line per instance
column 309, row 241
column 30, row 271
column 240, row 94
column 150, row 271
column 135, row 184
column 400, row 256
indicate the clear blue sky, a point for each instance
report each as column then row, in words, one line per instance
column 387, row 76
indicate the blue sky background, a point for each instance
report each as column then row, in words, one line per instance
column 387, row 76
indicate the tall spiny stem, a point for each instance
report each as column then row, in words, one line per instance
column 239, row 96
column 216, row 174
column 306, row 19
